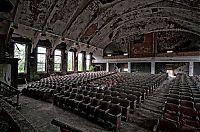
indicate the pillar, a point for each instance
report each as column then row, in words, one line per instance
column 152, row 67
column 75, row 62
column 107, row 67
column 91, row 56
column 84, row 61
column 129, row 67
column 191, row 68
column 64, row 62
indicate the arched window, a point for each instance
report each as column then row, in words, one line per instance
column 20, row 53
column 41, row 59
column 88, row 58
column 70, row 61
column 57, row 60
column 80, row 62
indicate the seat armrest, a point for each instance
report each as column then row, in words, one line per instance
column 156, row 126
column 118, row 115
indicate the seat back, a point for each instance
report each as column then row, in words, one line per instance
column 107, row 98
column 95, row 102
column 166, row 125
column 125, row 103
column 79, row 97
column 115, row 100
column 104, row 105
column 115, row 109
column 86, row 100
column 99, row 95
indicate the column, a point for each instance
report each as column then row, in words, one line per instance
column 191, row 68
column 91, row 55
column 84, row 61
column 129, row 67
column 152, row 67
column 64, row 62
column 75, row 62
column 107, row 67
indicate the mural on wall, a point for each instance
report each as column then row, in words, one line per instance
column 5, row 73
column 142, row 48
column 177, row 42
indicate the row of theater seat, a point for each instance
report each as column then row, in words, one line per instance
column 105, row 95
column 181, row 111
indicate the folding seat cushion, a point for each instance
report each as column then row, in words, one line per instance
column 100, row 90
column 114, row 94
column 172, row 100
column 86, row 93
column 186, row 94
column 101, row 110
column 191, row 123
column 76, row 101
column 123, row 95
column 171, row 117
column 197, row 100
column 175, row 96
column 107, row 98
column 187, row 129
column 80, row 91
column 187, row 103
column 92, row 94
column 74, row 90
column 68, row 100
column 125, row 104
column 188, row 98
column 171, row 108
column 188, row 113
column 133, row 100
column 115, row 100
column 167, row 125
column 99, row 96
column 174, row 92
column 114, row 115
column 92, row 106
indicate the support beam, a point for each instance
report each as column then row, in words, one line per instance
column 129, row 67
column 107, row 67
column 152, row 67
column 191, row 68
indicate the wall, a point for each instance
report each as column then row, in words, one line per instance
column 5, row 73
column 141, row 67
column 196, row 68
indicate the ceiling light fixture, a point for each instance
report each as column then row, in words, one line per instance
column 125, row 53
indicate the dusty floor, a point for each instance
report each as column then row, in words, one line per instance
column 40, row 114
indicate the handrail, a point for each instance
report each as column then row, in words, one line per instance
column 12, row 89
column 1, row 82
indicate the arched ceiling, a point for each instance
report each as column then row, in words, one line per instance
column 101, row 22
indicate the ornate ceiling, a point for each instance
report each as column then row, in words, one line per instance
column 101, row 22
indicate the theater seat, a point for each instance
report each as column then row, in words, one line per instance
column 125, row 104
column 114, row 116
column 82, row 106
column 101, row 110
column 76, row 101
column 133, row 100
column 92, row 106
column 188, row 129
column 166, row 125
